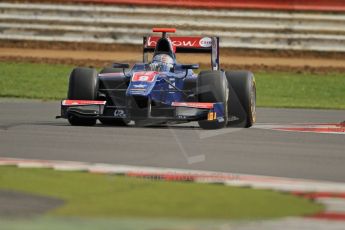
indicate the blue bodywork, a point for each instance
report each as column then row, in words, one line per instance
column 150, row 95
column 163, row 88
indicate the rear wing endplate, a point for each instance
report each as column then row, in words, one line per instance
column 187, row 45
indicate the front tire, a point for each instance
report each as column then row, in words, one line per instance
column 83, row 85
column 213, row 87
column 242, row 103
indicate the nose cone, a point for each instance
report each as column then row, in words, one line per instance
column 142, row 83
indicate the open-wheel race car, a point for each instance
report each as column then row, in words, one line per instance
column 161, row 90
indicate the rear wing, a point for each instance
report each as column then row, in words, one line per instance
column 187, row 45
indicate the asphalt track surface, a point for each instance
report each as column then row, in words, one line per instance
column 28, row 129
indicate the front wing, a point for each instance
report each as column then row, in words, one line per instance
column 181, row 111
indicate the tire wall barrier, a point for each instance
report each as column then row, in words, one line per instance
column 127, row 23
column 298, row 5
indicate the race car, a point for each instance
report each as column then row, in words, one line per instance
column 162, row 90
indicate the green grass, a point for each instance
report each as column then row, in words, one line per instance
column 301, row 90
column 44, row 81
column 41, row 81
column 109, row 196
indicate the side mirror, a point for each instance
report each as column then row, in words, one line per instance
column 121, row 65
column 190, row 66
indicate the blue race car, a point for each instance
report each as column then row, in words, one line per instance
column 162, row 90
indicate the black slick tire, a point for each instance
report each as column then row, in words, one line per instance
column 83, row 84
column 212, row 86
column 242, row 101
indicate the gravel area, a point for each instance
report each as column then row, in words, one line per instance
column 18, row 204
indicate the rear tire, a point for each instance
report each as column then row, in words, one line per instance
column 83, row 85
column 242, row 102
column 212, row 86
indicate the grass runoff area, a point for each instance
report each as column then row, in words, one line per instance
column 110, row 196
column 290, row 90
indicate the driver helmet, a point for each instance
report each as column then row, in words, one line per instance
column 162, row 63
